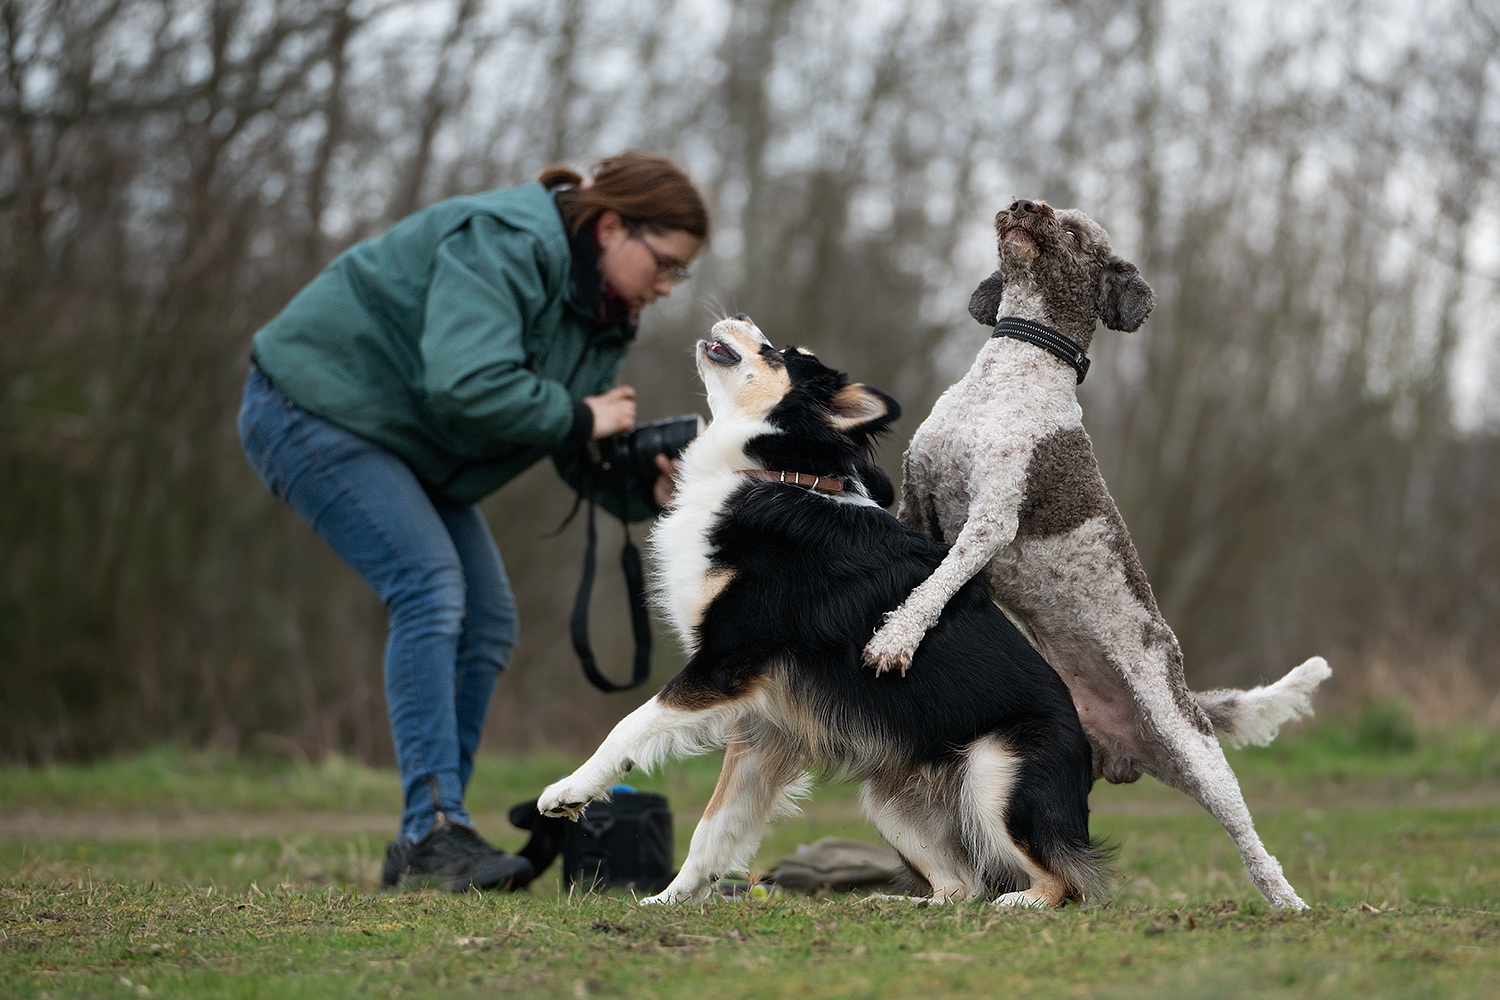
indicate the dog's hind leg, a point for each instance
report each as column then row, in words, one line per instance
column 760, row 780
column 927, row 836
column 989, row 780
column 1194, row 763
column 1049, row 817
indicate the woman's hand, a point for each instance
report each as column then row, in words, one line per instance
column 665, row 489
column 614, row 411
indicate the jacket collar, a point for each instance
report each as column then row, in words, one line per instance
column 588, row 292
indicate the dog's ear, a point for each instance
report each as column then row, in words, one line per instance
column 865, row 412
column 985, row 302
column 859, row 407
column 1125, row 300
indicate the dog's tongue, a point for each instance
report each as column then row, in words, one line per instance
column 722, row 352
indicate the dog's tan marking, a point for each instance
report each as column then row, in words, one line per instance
column 855, row 405
column 856, row 753
column 714, row 582
column 761, row 390
column 683, row 694
column 724, row 788
column 800, row 721
column 753, row 758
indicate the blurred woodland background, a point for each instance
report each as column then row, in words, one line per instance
column 1304, row 438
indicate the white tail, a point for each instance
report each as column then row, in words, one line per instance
column 1257, row 715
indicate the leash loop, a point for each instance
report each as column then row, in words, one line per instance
column 640, row 621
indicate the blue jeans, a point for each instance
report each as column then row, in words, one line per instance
column 434, row 563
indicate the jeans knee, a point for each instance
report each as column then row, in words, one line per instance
column 428, row 599
column 494, row 629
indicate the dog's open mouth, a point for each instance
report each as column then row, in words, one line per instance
column 719, row 353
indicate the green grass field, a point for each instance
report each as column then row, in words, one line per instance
column 186, row 875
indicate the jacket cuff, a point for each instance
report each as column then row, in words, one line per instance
column 583, row 424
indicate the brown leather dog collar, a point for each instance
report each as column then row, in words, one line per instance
column 822, row 484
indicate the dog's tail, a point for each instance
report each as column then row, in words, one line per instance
column 1256, row 716
column 1085, row 869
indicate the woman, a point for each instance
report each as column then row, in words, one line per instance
column 427, row 367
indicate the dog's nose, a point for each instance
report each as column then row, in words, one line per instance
column 1022, row 206
column 742, row 317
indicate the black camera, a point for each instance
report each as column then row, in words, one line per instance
column 634, row 452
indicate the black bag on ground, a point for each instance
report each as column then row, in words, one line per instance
column 623, row 843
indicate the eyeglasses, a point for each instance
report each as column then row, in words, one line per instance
column 665, row 267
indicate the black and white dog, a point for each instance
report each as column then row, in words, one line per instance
column 775, row 563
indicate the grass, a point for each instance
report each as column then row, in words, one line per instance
column 184, row 875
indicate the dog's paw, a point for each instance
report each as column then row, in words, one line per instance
column 887, row 651
column 917, row 902
column 567, row 798
column 1021, row 900
column 676, row 893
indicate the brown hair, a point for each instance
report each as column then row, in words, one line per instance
column 645, row 189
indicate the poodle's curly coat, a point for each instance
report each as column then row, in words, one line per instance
column 1003, row 471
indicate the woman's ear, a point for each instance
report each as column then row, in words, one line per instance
column 609, row 229
column 859, row 406
column 985, row 302
column 1125, row 300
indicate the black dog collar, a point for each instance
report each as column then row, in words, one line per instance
column 1047, row 339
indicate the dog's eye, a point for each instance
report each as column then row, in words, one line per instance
column 1071, row 235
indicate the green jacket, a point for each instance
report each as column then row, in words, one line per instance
column 457, row 341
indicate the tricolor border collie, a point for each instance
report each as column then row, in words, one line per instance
column 774, row 564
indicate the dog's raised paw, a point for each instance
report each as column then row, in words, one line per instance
column 881, row 655
column 561, row 799
column 565, row 810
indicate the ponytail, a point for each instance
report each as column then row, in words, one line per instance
column 559, row 177
column 644, row 189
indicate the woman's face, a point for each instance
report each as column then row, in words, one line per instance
column 641, row 264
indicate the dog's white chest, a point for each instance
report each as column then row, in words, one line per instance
column 682, row 554
column 681, row 545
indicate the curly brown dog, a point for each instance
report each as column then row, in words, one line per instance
column 1003, row 471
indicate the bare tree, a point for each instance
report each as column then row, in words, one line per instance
column 1315, row 206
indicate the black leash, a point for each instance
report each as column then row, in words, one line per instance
column 640, row 621
column 1047, row 339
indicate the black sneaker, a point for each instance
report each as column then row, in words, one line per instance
column 395, row 863
column 458, row 855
